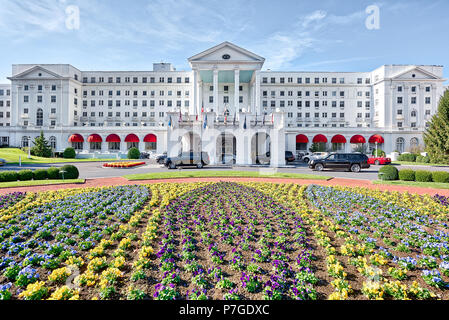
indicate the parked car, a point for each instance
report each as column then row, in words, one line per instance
column 379, row 161
column 2, row 162
column 354, row 162
column 314, row 156
column 263, row 159
column 161, row 158
column 144, row 155
column 188, row 159
column 289, row 157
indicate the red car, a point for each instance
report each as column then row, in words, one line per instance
column 379, row 160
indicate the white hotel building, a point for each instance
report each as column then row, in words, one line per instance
column 104, row 113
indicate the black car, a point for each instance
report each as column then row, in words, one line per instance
column 289, row 157
column 161, row 158
column 354, row 162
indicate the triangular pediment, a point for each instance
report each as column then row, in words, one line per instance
column 415, row 73
column 227, row 52
column 37, row 72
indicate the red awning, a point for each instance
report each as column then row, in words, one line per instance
column 376, row 138
column 94, row 138
column 320, row 139
column 132, row 138
column 339, row 139
column 358, row 139
column 113, row 138
column 150, row 138
column 76, row 138
column 300, row 138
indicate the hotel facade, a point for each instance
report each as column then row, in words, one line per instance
column 226, row 106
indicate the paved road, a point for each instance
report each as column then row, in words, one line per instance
column 95, row 170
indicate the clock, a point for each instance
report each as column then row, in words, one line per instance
column 226, row 57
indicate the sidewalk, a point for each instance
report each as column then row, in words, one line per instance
column 333, row 182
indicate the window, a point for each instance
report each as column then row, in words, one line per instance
column 400, row 145
column 413, row 114
column 427, row 100
column 400, row 100
column 39, row 118
column 52, row 141
column 413, row 100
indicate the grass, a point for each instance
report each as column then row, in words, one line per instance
column 11, row 155
column 38, row 183
column 221, row 174
column 432, row 185
column 405, row 163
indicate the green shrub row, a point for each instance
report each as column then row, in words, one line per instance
column 70, row 172
column 412, row 157
column 390, row 173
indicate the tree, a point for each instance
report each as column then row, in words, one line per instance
column 41, row 147
column 436, row 137
column 317, row 147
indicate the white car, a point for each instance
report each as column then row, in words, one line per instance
column 314, row 156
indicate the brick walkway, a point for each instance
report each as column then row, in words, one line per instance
column 334, row 182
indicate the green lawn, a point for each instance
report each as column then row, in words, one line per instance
column 220, row 174
column 38, row 183
column 404, row 163
column 12, row 157
column 433, row 185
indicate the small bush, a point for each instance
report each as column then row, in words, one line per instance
column 133, row 153
column 407, row 157
column 407, row 175
column 71, row 172
column 25, row 175
column 421, row 159
column 380, row 153
column 40, row 174
column 53, row 173
column 423, row 176
column 69, row 153
column 440, row 176
column 388, row 173
column 8, row 176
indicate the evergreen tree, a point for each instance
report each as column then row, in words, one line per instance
column 436, row 137
column 41, row 147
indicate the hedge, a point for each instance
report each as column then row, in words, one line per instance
column 407, row 157
column 69, row 153
column 407, row 175
column 440, row 176
column 423, row 176
column 40, row 174
column 25, row 175
column 388, row 173
column 53, row 173
column 8, row 176
column 421, row 159
column 71, row 172
column 133, row 153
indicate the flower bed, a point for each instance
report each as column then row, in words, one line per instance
column 223, row 241
column 123, row 165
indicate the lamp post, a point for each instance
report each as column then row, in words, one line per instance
column 29, row 147
column 376, row 149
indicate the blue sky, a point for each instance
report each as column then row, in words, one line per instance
column 293, row 35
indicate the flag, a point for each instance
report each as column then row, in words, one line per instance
column 180, row 115
column 263, row 121
column 234, row 119
column 202, row 107
column 244, row 125
column 225, row 116
column 272, row 118
column 169, row 122
column 256, row 118
column 205, row 122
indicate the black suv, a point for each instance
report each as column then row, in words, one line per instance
column 354, row 162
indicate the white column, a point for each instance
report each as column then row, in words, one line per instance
column 236, row 89
column 215, row 84
column 200, row 96
column 195, row 92
column 257, row 105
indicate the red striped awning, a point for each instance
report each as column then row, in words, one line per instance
column 320, row 139
column 76, row 138
column 339, row 139
column 376, row 138
column 94, row 138
column 358, row 139
column 300, row 138
column 132, row 138
column 113, row 138
column 150, row 138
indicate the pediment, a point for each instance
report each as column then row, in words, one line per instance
column 37, row 72
column 415, row 73
column 227, row 52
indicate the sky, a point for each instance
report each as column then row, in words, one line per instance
column 292, row 35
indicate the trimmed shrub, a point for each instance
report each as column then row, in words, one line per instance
column 71, row 172
column 440, row 176
column 25, row 175
column 40, row 174
column 407, row 157
column 53, row 173
column 69, row 153
column 421, row 159
column 388, row 173
column 407, row 175
column 133, row 153
column 380, row 153
column 8, row 176
column 423, row 176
